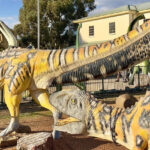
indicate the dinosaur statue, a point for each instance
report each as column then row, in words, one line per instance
column 144, row 66
column 36, row 70
column 130, row 127
column 7, row 39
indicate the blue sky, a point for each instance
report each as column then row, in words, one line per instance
column 9, row 9
column 104, row 5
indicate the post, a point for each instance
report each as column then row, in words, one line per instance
column 138, row 76
column 77, row 36
column 102, row 84
column 38, row 22
column 82, row 85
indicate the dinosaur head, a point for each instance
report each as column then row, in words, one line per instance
column 73, row 103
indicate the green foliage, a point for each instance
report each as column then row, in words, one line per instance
column 57, row 29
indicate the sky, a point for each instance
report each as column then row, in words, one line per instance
column 9, row 9
column 105, row 5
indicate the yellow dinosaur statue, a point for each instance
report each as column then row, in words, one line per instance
column 129, row 127
column 36, row 70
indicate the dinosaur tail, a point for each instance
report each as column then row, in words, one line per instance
column 107, row 58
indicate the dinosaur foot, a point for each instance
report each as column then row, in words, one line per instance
column 13, row 126
column 131, row 82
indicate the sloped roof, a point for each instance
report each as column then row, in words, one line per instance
column 119, row 9
column 126, row 8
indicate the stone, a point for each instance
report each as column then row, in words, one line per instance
column 125, row 101
column 8, row 141
column 36, row 141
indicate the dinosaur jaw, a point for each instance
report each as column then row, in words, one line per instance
column 72, row 103
column 62, row 122
column 70, row 125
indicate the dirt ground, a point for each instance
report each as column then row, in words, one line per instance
column 41, row 120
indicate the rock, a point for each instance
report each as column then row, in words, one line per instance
column 8, row 141
column 37, row 141
column 146, row 94
column 125, row 101
column 23, row 129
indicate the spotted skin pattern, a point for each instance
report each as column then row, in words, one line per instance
column 130, row 127
column 35, row 70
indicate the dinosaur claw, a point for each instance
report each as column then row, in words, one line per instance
column 13, row 126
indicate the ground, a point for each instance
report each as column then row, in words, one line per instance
column 41, row 120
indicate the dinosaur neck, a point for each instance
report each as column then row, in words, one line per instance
column 112, row 123
column 101, row 60
column 101, row 120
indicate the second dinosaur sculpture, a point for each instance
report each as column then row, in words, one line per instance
column 130, row 128
column 36, row 70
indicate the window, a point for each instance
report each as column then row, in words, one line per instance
column 112, row 28
column 91, row 30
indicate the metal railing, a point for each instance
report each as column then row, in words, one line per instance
column 105, row 85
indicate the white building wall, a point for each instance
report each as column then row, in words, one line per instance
column 101, row 29
column 147, row 16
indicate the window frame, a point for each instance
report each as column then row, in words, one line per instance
column 91, row 31
column 112, row 27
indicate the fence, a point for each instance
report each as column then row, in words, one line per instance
column 103, row 86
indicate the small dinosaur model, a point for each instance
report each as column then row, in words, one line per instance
column 144, row 66
column 36, row 70
column 130, row 127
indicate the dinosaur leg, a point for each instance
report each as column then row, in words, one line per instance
column 13, row 102
column 42, row 98
column 135, row 70
column 131, row 80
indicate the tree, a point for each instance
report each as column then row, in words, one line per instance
column 57, row 29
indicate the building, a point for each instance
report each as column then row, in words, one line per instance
column 111, row 24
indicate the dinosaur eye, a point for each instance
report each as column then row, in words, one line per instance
column 74, row 101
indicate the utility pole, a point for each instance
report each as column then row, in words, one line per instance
column 38, row 22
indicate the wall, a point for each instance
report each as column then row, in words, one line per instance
column 101, row 29
column 147, row 16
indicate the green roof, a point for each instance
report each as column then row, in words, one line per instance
column 119, row 9
column 113, row 11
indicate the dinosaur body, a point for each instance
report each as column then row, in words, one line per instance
column 144, row 66
column 35, row 70
column 130, row 127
